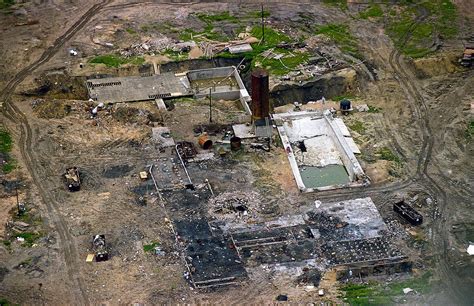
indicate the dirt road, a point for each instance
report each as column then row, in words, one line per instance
column 13, row 113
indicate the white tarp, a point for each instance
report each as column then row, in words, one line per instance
column 470, row 249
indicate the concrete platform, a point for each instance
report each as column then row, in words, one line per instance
column 221, row 83
column 136, row 88
column 330, row 234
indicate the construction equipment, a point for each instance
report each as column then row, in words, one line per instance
column 100, row 248
column 408, row 213
column 73, row 180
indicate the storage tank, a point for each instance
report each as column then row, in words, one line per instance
column 345, row 104
column 260, row 96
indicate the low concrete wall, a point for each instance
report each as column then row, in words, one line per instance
column 291, row 158
column 220, row 93
column 348, row 158
column 210, row 73
column 244, row 94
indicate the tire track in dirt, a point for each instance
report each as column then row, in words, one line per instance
column 13, row 113
column 440, row 237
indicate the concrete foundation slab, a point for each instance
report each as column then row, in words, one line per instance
column 162, row 136
column 222, row 83
column 327, row 234
column 244, row 131
column 137, row 88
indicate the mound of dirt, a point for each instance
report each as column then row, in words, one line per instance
column 59, row 85
column 437, row 65
column 51, row 109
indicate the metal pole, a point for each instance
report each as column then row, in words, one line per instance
column 154, row 182
column 17, row 200
column 269, row 134
column 263, row 26
column 184, row 166
column 210, row 105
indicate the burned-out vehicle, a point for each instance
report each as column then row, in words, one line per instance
column 73, row 181
column 408, row 213
column 100, row 248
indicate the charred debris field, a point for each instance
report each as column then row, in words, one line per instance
column 219, row 152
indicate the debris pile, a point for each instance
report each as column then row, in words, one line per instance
column 72, row 178
column 231, row 203
column 309, row 276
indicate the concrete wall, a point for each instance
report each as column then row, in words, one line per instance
column 220, row 92
column 348, row 158
column 244, row 94
column 210, row 73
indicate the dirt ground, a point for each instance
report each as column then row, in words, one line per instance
column 423, row 108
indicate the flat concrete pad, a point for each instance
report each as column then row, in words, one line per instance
column 162, row 136
column 243, row 131
column 135, row 88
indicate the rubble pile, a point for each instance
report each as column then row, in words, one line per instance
column 158, row 45
column 232, row 203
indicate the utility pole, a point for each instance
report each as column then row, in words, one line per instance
column 21, row 207
column 210, row 105
column 263, row 26
column 17, row 199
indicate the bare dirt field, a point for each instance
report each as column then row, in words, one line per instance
column 415, row 137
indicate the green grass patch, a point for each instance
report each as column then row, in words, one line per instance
column 272, row 37
column 112, row 60
column 184, row 100
column 150, row 247
column 30, row 238
column 5, row 302
column 5, row 4
column 357, row 126
column 288, row 62
column 9, row 166
column 340, row 34
column 342, row 4
column 442, row 21
column 373, row 11
column 130, row 31
column 209, row 31
column 176, row 55
column 6, row 144
column 258, row 14
column 469, row 132
column 387, row 154
column 188, row 34
column 6, row 141
column 364, row 294
column 348, row 96
column 211, row 18
column 379, row 294
column 373, row 109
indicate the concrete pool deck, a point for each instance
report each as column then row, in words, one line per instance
column 320, row 151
